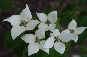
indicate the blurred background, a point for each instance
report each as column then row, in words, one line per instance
column 67, row 10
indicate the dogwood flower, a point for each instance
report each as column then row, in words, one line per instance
column 34, row 42
column 15, row 21
column 47, row 22
column 74, row 30
column 25, row 18
column 58, row 45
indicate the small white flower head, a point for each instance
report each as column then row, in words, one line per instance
column 64, row 37
column 17, row 20
column 34, row 42
column 58, row 46
column 26, row 17
column 74, row 30
column 50, row 20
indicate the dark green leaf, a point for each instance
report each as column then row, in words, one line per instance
column 47, row 11
column 83, row 49
column 19, row 50
column 84, row 55
column 5, row 5
column 10, row 43
column 82, row 20
column 57, row 25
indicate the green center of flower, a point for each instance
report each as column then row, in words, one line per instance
column 37, row 40
column 23, row 23
column 47, row 22
column 71, row 31
column 57, row 39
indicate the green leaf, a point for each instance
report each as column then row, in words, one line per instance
column 5, row 5
column 82, row 20
column 84, row 55
column 47, row 11
column 10, row 43
column 68, row 46
column 61, row 1
column 25, row 52
column 68, row 13
column 57, row 25
column 83, row 49
column 40, row 53
column 19, row 50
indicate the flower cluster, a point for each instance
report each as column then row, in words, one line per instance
column 44, row 23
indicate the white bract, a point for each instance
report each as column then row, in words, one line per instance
column 58, row 37
column 16, row 20
column 34, row 42
column 58, row 46
column 47, row 22
column 74, row 30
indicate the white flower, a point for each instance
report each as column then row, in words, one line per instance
column 26, row 17
column 15, row 20
column 34, row 42
column 50, row 19
column 74, row 30
column 64, row 37
column 58, row 37
column 33, row 46
column 58, row 46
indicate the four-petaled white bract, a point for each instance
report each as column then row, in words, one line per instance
column 74, row 30
column 34, row 43
column 58, row 45
column 45, row 23
column 50, row 19
column 16, row 20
